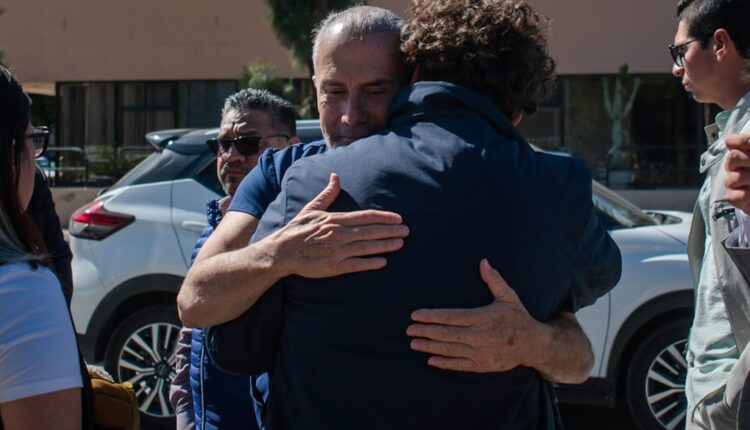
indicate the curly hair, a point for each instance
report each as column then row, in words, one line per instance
column 497, row 47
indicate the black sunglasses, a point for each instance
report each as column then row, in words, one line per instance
column 40, row 138
column 678, row 52
column 246, row 145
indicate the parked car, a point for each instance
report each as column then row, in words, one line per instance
column 132, row 246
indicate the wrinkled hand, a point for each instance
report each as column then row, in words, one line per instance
column 493, row 338
column 318, row 244
column 738, row 171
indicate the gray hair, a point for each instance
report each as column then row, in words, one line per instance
column 357, row 21
column 280, row 110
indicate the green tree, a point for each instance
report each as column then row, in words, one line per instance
column 619, row 104
column 294, row 20
column 263, row 77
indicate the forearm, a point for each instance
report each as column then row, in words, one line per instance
column 562, row 352
column 58, row 410
column 222, row 287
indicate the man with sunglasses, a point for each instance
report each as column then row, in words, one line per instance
column 202, row 395
column 711, row 54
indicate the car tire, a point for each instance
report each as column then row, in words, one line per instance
column 655, row 385
column 142, row 352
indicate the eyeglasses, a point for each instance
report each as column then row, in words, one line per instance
column 246, row 145
column 678, row 52
column 40, row 138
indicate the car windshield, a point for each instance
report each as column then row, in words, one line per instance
column 617, row 212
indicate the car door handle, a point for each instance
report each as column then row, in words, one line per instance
column 194, row 226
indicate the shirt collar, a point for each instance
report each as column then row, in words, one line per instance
column 736, row 118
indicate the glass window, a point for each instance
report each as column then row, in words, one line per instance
column 145, row 106
column 87, row 114
column 207, row 177
column 653, row 142
column 200, row 102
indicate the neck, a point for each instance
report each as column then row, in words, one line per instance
column 733, row 96
column 734, row 82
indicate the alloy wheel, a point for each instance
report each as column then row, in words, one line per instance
column 147, row 361
column 665, row 386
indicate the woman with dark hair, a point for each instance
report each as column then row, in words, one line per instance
column 40, row 373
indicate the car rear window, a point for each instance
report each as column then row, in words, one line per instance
column 157, row 167
column 148, row 163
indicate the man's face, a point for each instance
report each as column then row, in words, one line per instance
column 699, row 67
column 231, row 166
column 355, row 79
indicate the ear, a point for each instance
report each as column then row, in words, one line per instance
column 517, row 119
column 292, row 140
column 724, row 44
column 416, row 76
column 314, row 83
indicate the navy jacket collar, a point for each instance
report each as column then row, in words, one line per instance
column 430, row 100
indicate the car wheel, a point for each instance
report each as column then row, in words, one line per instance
column 656, row 377
column 142, row 352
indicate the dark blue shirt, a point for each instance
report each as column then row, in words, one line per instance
column 261, row 186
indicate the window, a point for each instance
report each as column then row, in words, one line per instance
column 119, row 114
column 655, row 144
column 207, row 177
column 145, row 107
column 200, row 102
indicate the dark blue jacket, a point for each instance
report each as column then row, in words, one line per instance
column 468, row 186
column 220, row 400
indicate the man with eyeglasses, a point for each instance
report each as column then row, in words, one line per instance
column 711, row 54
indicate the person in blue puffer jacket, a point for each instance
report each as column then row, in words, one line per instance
column 204, row 397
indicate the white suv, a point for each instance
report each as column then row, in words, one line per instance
column 132, row 246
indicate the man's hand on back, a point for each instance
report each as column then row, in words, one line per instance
column 738, row 171
column 228, row 275
column 502, row 336
column 319, row 244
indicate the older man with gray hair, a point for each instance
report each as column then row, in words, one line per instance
column 358, row 70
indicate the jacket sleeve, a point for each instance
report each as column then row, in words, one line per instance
column 43, row 215
column 598, row 263
column 248, row 344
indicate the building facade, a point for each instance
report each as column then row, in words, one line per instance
column 118, row 69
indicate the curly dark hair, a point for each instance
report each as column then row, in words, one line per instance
column 497, row 47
